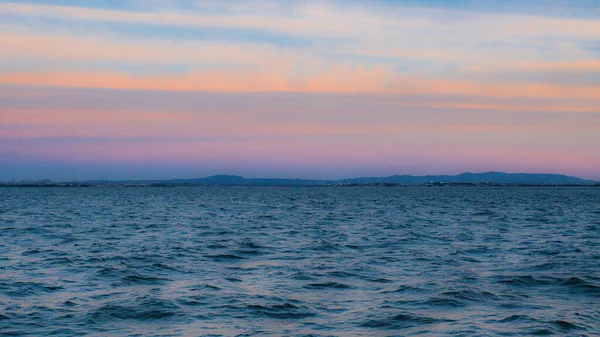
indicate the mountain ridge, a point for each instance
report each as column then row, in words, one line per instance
column 466, row 178
column 483, row 177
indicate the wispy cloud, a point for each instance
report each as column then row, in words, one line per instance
column 326, row 18
column 353, row 48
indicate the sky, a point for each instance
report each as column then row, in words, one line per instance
column 157, row 89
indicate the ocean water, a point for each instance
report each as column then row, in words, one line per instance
column 299, row 261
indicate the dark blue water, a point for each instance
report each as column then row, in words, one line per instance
column 299, row 261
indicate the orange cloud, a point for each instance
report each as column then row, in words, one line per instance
column 338, row 79
column 580, row 66
column 498, row 107
column 573, row 66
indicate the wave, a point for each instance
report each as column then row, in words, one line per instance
column 280, row 311
column 144, row 309
column 329, row 285
column 573, row 285
column 402, row 321
column 143, row 280
column 23, row 289
column 224, row 257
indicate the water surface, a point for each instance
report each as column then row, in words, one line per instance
column 299, row 261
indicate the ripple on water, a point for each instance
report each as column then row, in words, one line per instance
column 582, row 287
column 224, row 257
column 327, row 285
column 404, row 289
column 22, row 289
column 402, row 321
column 517, row 318
column 461, row 298
column 143, row 309
column 280, row 311
column 565, row 326
column 143, row 280
column 572, row 285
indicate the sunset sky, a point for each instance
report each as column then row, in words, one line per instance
column 326, row 89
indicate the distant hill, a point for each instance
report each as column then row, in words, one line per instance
column 230, row 180
column 467, row 177
column 486, row 178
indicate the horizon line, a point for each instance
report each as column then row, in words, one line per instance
column 298, row 178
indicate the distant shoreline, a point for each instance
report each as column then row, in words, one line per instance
column 434, row 185
column 467, row 179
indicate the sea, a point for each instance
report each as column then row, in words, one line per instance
column 311, row 261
